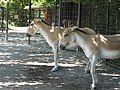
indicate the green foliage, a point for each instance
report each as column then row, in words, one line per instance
column 99, row 10
column 50, row 3
column 14, row 3
column 2, row 3
column 37, row 2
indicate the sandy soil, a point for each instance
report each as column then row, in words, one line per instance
column 27, row 67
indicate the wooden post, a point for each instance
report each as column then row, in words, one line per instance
column 90, row 14
column 29, row 11
column 79, row 19
column 79, row 14
column 55, row 18
column 2, row 26
column 7, row 17
column 60, row 7
column 108, row 15
column 29, row 18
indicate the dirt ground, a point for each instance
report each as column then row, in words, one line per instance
column 26, row 66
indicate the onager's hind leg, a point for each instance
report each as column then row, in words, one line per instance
column 92, row 71
column 55, row 51
column 87, row 69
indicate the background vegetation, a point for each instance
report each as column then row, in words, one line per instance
column 16, row 7
column 98, row 7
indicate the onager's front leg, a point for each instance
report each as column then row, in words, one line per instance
column 92, row 71
column 55, row 51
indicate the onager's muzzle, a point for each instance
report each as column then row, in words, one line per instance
column 28, row 35
column 62, row 47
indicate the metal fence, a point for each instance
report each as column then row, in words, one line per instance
column 102, row 16
column 105, row 16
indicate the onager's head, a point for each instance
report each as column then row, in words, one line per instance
column 67, row 38
column 33, row 28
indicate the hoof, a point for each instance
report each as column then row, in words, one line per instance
column 87, row 71
column 54, row 69
column 93, row 87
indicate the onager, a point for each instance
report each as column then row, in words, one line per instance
column 94, row 47
column 52, row 35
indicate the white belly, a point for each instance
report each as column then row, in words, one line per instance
column 109, row 54
column 72, row 46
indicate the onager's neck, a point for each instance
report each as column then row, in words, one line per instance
column 50, row 35
column 45, row 31
column 86, row 42
column 44, row 28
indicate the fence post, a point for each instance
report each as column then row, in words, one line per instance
column 29, row 11
column 2, row 26
column 117, row 20
column 55, row 10
column 29, row 18
column 60, row 7
column 108, row 24
column 90, row 14
column 79, row 19
column 79, row 14
column 108, row 15
column 7, row 17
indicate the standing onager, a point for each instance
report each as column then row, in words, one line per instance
column 94, row 47
column 52, row 36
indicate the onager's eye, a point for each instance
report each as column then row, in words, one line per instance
column 66, row 35
column 31, row 24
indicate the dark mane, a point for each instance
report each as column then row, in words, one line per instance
column 45, row 22
column 78, row 29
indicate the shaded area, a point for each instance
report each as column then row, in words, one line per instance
column 27, row 67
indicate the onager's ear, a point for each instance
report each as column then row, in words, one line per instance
column 59, row 36
column 70, row 29
column 37, row 21
column 74, row 28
